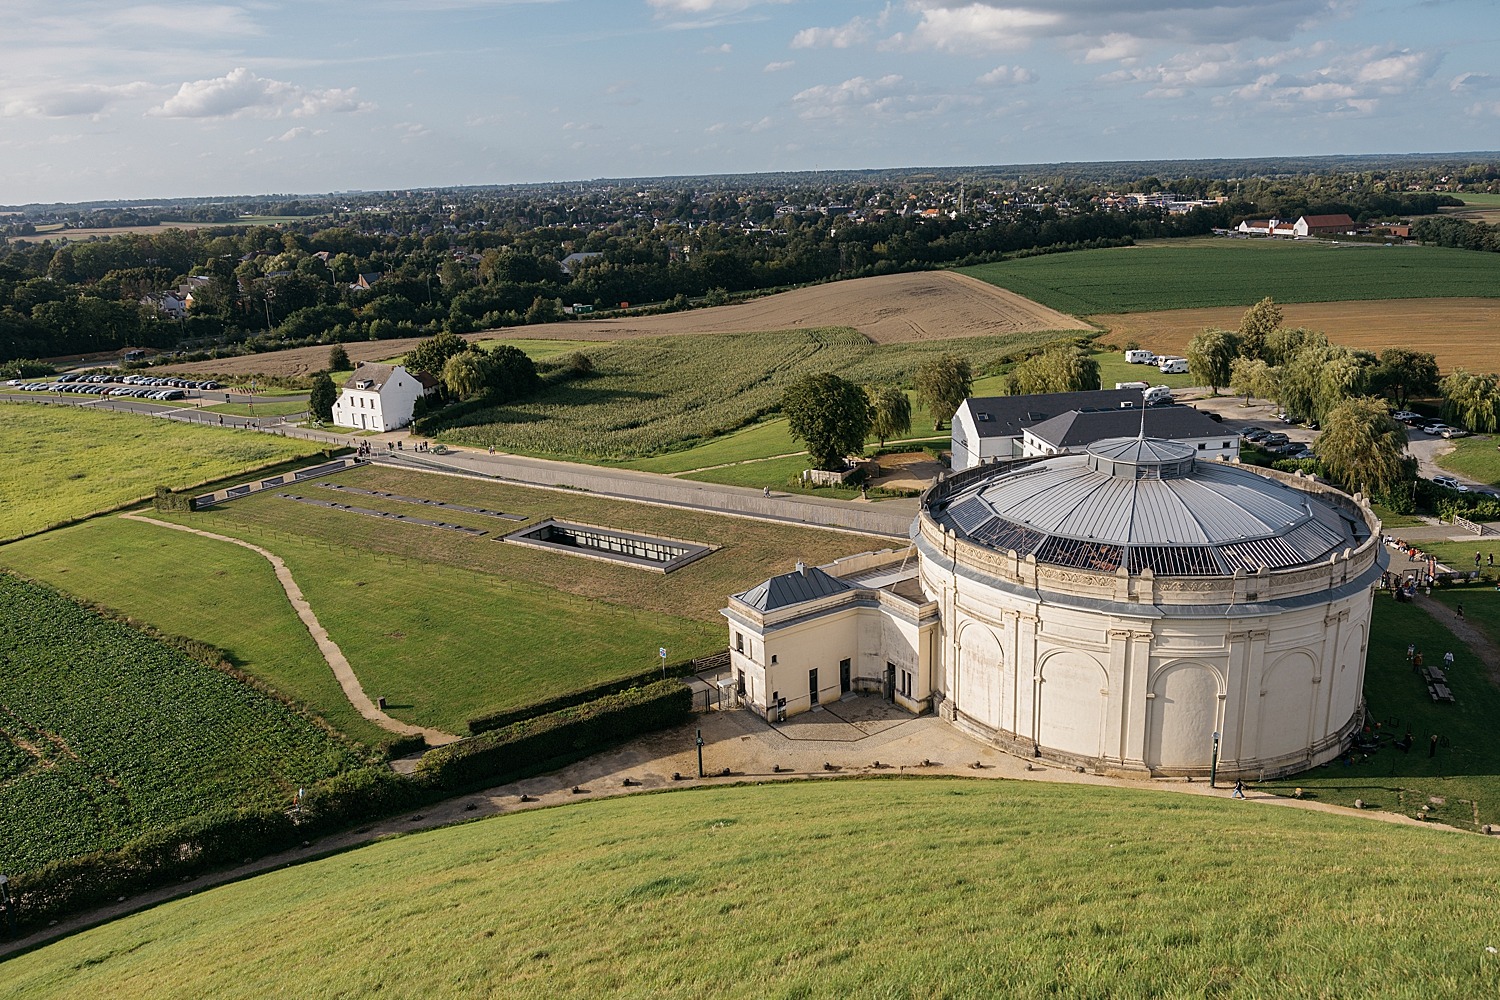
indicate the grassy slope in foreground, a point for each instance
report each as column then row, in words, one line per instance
column 185, row 585
column 106, row 733
column 64, row 462
column 1199, row 273
column 940, row 887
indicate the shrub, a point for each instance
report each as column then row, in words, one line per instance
column 548, row 740
column 499, row 720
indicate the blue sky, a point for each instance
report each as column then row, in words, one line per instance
column 138, row 100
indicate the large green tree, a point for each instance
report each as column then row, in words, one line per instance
column 466, row 374
column 1257, row 325
column 432, row 354
column 1404, row 373
column 829, row 415
column 1210, row 355
column 338, row 359
column 1253, row 377
column 942, row 386
column 1363, row 447
column 1472, row 401
column 891, row 410
column 1061, row 369
column 322, row 396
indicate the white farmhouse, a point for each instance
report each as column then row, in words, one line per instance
column 379, row 397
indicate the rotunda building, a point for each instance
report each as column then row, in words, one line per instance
column 1133, row 609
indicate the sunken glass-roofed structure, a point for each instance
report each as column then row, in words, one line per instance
column 1117, row 609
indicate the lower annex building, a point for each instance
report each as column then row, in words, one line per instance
column 1112, row 609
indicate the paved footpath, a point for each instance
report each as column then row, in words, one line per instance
column 857, row 737
column 332, row 654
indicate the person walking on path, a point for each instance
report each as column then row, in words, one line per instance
column 1239, row 790
column 1460, row 611
column 1416, row 661
column 1411, row 650
column 1448, row 660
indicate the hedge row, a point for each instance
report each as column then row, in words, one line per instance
column 232, row 837
column 206, row 842
column 523, row 747
column 499, row 720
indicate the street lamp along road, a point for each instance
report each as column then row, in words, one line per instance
column 1213, row 768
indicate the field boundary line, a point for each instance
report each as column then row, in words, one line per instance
column 332, row 654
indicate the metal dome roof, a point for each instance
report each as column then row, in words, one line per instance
column 1148, row 504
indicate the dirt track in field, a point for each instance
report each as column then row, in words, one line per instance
column 1462, row 333
column 890, row 309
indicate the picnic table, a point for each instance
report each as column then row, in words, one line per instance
column 1440, row 692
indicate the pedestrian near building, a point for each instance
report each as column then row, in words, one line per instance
column 1460, row 611
column 1239, row 790
column 1448, row 659
column 1416, row 661
column 1411, row 650
column 1432, row 746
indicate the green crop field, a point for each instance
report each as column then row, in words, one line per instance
column 106, row 733
column 442, row 624
column 652, row 396
column 185, row 585
column 1185, row 274
column 876, row 888
column 63, row 462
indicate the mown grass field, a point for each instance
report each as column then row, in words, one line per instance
column 875, row 888
column 1461, row 783
column 106, row 733
column 269, row 408
column 184, row 585
column 653, row 396
column 1475, row 457
column 445, row 625
column 63, row 462
column 1187, row 274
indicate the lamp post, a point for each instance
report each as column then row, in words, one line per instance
column 5, row 904
column 1213, row 769
column 700, row 753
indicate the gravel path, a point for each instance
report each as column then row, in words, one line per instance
column 334, row 656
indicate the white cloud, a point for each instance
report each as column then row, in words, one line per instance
column 777, row 67
column 297, row 132
column 1008, row 76
column 581, row 126
column 240, row 94
column 856, row 31
column 1473, row 81
column 716, row 128
column 706, row 6
column 71, row 101
column 713, row 49
column 761, row 125
column 979, row 27
column 889, row 96
column 1114, row 47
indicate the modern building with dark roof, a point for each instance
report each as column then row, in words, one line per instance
column 1077, row 429
column 1128, row 609
column 991, row 428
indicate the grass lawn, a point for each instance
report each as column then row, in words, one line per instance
column 185, row 585
column 1462, row 782
column 877, row 888
column 1184, row 274
column 540, row 349
column 267, row 409
column 65, row 462
column 1391, row 519
column 445, row 625
column 107, row 734
column 758, row 441
column 1475, row 457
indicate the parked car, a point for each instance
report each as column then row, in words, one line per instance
column 1405, row 416
column 1298, row 451
column 1448, row 482
column 1436, row 429
column 1247, row 433
column 1453, row 432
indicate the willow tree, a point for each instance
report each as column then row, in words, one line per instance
column 1472, row 401
column 891, row 409
column 1363, row 447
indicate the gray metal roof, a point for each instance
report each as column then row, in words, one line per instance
column 1081, row 427
column 1146, row 503
column 1008, row 416
column 793, row 588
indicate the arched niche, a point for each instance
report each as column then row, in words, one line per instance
column 1183, row 716
column 981, row 674
column 1071, row 703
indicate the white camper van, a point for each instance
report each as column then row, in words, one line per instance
column 1172, row 366
column 1140, row 358
column 1133, row 385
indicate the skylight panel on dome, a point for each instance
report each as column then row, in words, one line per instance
column 1175, row 560
column 1002, row 536
column 1074, row 553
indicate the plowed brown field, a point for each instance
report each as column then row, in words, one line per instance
column 1462, row 333
column 889, row 309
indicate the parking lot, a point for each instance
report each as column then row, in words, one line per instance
column 161, row 389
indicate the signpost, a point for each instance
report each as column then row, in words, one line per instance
column 700, row 753
column 1213, row 770
column 662, row 652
